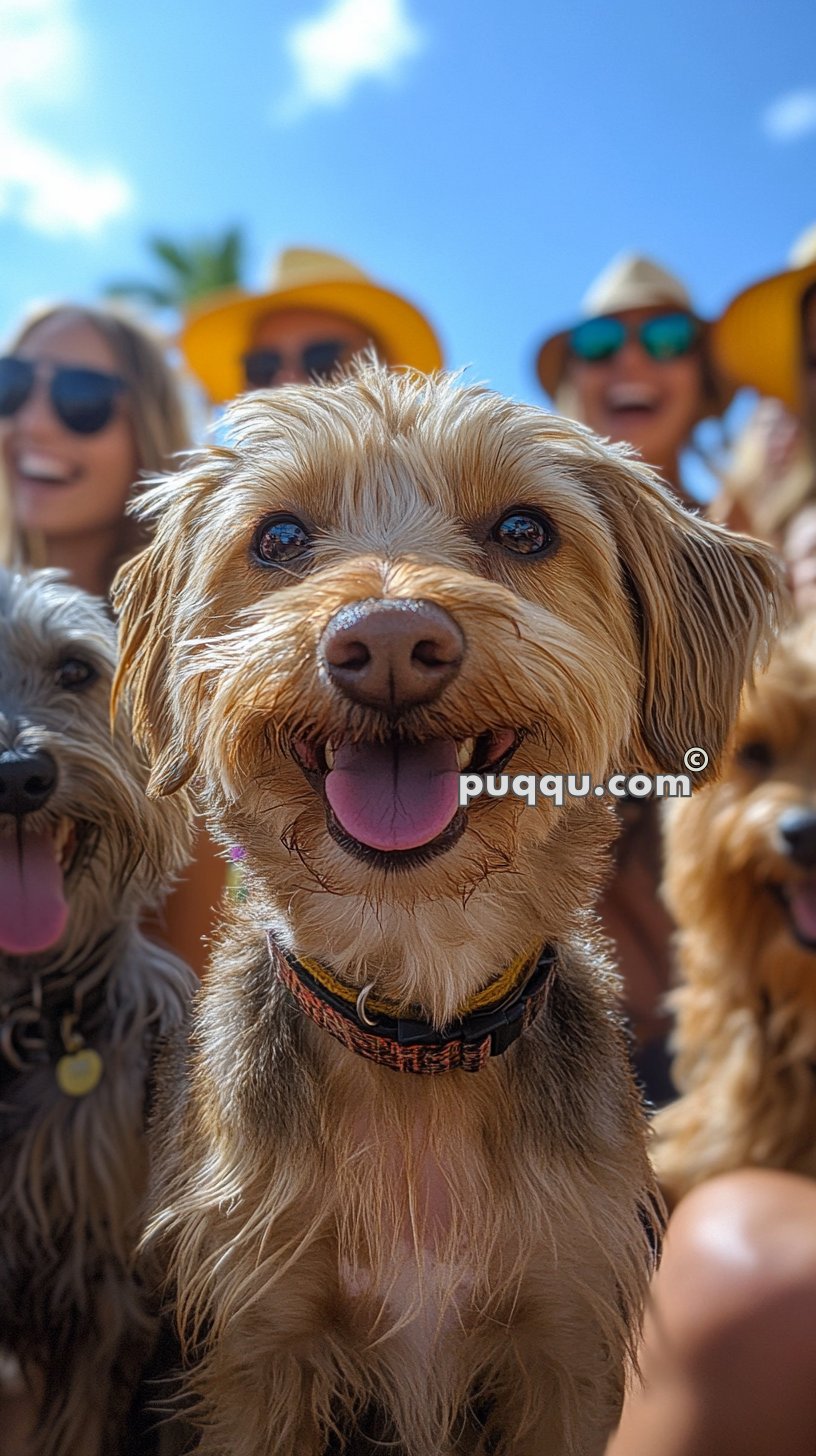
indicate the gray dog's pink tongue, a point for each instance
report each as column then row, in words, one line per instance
column 33, row 912
column 394, row 795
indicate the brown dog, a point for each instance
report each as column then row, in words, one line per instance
column 378, row 583
column 741, row 882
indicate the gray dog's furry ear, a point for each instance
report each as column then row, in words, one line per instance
column 148, row 596
column 706, row 604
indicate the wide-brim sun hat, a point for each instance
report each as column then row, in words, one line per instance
column 758, row 340
column 216, row 333
column 630, row 281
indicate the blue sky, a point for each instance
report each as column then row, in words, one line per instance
column 487, row 157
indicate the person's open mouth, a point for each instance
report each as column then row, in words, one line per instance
column 798, row 900
column 397, row 802
column 34, row 864
column 34, row 468
column 632, row 402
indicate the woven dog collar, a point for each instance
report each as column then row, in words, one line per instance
column 490, row 1023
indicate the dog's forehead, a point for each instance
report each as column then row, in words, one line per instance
column 43, row 618
column 356, row 467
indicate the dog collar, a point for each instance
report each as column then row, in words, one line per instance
column 50, row 1019
column 374, row 1028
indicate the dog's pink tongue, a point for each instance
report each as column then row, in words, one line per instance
column 803, row 909
column 33, row 912
column 394, row 795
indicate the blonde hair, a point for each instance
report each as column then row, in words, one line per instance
column 156, row 413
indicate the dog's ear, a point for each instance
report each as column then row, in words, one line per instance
column 706, row 604
column 149, row 596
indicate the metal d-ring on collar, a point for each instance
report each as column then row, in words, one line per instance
column 361, row 1004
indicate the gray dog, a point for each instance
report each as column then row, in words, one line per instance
column 84, row 1000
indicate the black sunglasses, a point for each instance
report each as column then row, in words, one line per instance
column 318, row 360
column 83, row 399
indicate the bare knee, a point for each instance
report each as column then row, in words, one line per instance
column 729, row 1355
column 739, row 1273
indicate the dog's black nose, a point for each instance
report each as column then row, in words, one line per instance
column 797, row 830
column 392, row 654
column 27, row 780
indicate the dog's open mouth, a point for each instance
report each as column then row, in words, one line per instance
column 799, row 902
column 399, row 799
column 33, row 866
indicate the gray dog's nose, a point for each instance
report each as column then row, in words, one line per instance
column 392, row 654
column 27, row 780
column 797, row 829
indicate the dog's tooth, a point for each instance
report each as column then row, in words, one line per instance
column 464, row 752
column 61, row 836
column 329, row 752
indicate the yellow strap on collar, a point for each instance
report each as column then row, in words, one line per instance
column 492, row 994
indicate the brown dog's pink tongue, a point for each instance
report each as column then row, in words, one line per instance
column 802, row 904
column 394, row 795
column 33, row 912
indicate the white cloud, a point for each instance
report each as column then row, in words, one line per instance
column 42, row 57
column 791, row 116
column 350, row 41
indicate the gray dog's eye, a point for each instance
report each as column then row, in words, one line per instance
column 280, row 539
column 525, row 532
column 73, row 674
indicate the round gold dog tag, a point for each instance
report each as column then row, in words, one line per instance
column 79, row 1073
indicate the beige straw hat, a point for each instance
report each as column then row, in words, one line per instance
column 216, row 332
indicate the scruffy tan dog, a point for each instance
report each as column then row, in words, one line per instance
column 84, row 1001
column 377, row 584
column 741, row 882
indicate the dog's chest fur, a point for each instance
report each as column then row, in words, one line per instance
column 73, row 1173
column 423, row 1286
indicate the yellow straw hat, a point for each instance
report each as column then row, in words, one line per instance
column 758, row 340
column 629, row 281
column 216, row 333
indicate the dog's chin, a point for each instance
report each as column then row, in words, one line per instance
column 798, row 902
column 38, row 857
column 394, row 805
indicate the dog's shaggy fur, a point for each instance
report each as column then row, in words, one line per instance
column 741, row 883
column 466, row 1253
column 73, row 1168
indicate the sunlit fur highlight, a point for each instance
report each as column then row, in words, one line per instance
column 334, row 1233
column 745, row 1040
column 73, row 1170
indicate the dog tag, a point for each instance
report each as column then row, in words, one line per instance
column 79, row 1073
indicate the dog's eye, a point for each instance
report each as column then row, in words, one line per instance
column 279, row 540
column 755, row 754
column 527, row 533
column 73, row 674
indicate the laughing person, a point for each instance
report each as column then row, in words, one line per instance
column 636, row 367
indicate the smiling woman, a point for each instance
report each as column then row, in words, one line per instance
column 636, row 367
column 87, row 404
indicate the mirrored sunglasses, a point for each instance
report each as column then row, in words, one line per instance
column 665, row 336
